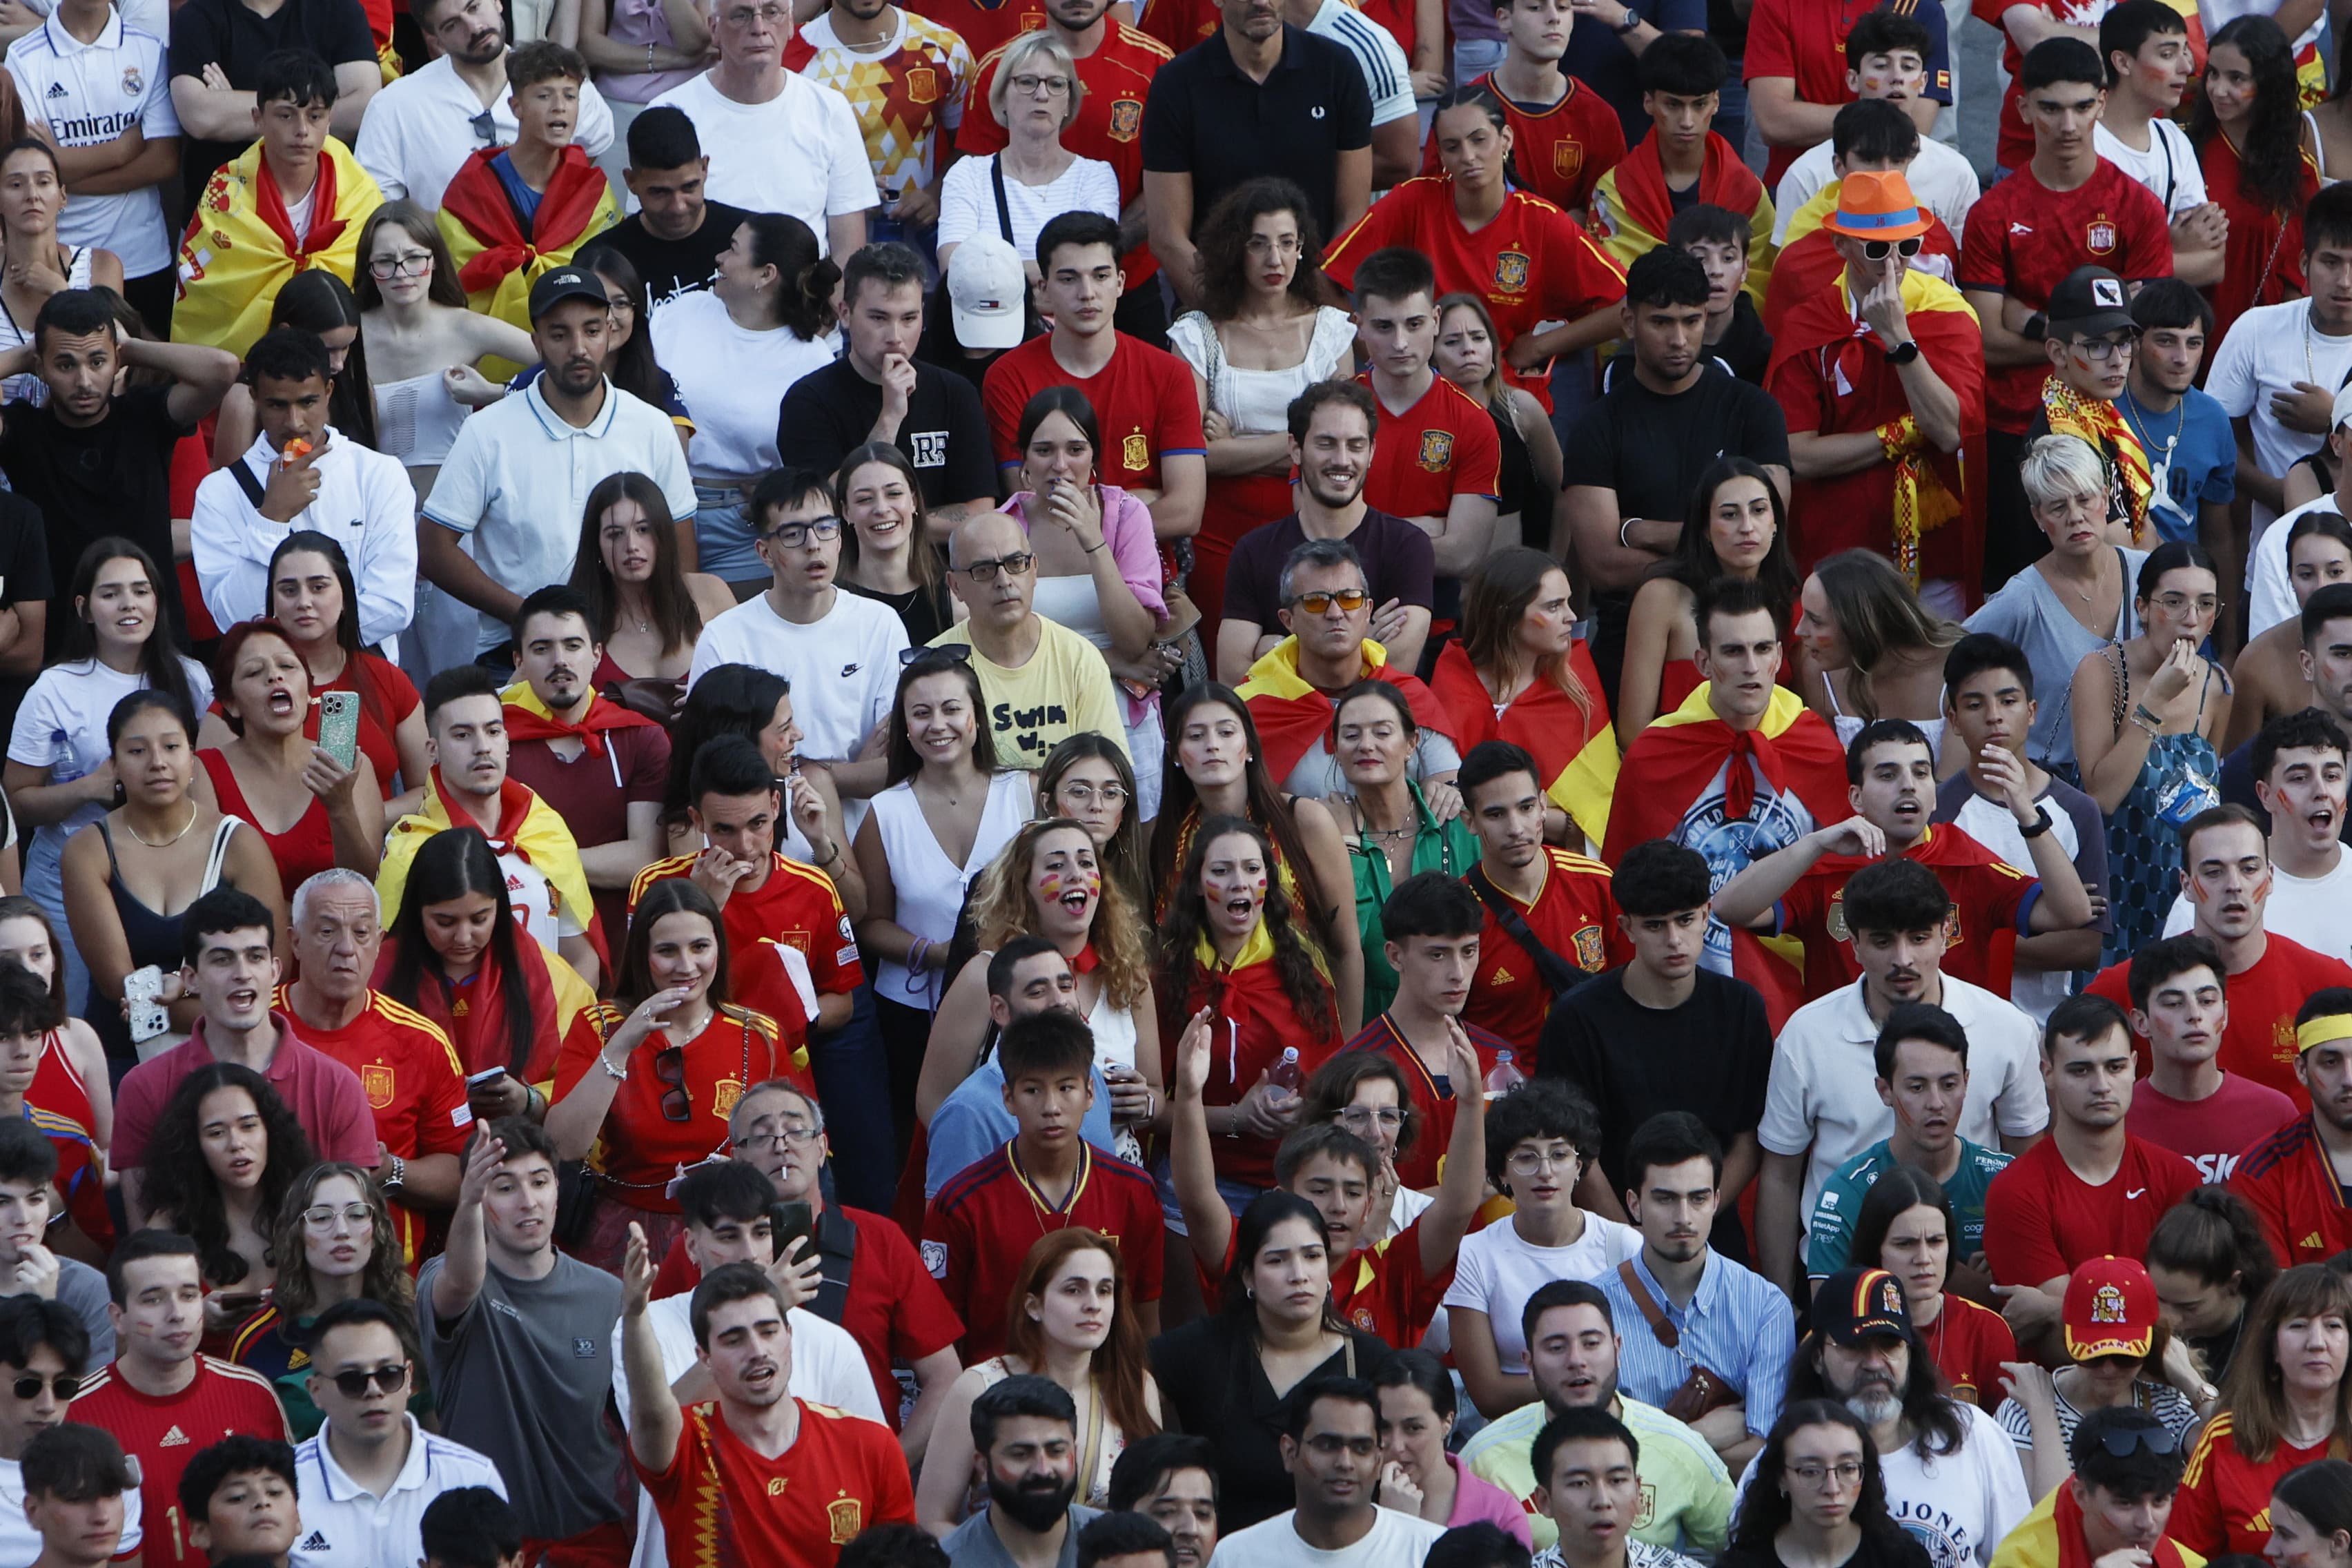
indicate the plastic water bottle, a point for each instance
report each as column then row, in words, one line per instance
column 1286, row 1074
column 1503, row 1077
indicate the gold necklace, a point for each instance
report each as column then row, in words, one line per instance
column 168, row 842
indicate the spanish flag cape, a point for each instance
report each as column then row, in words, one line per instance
column 1252, row 1019
column 563, row 1011
column 497, row 261
column 240, row 246
column 1808, row 257
column 1291, row 715
column 529, row 718
column 1632, row 211
column 1920, row 491
column 527, row 827
column 1670, row 763
column 1575, row 747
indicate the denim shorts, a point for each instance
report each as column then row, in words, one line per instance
column 722, row 536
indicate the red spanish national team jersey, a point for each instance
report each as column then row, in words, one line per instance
column 1531, row 263
column 413, row 1084
column 1424, row 456
column 2288, row 1181
column 2258, row 1042
column 2023, row 237
column 981, row 1225
column 2224, row 1501
column 164, row 1434
column 1574, row 916
column 1560, row 149
column 58, row 1102
column 1990, row 904
column 984, row 27
column 725, row 1506
column 796, row 906
column 1143, row 401
column 1384, row 1289
column 1968, row 1343
column 2041, row 1220
column 1421, row 1166
column 644, row 1147
column 1804, row 40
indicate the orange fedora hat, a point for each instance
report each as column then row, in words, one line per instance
column 1875, row 206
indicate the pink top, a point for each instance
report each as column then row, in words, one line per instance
column 324, row 1095
column 1477, row 1500
column 1127, row 529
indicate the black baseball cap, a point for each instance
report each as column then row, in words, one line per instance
column 1858, row 1304
column 565, row 283
column 2093, row 302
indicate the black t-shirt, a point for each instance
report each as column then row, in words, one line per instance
column 828, row 414
column 1745, row 345
column 1399, row 563
column 227, row 34
column 1650, row 447
column 924, row 613
column 111, row 477
column 1890, row 1547
column 24, row 579
column 1710, row 1057
column 1207, row 120
column 674, row 266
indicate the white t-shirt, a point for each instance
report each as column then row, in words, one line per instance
column 1940, row 179
column 844, row 668
column 1395, row 1541
column 2267, row 351
column 61, row 726
column 1959, row 1505
column 1496, row 1272
column 2270, row 586
column 20, row 1543
column 1388, row 75
column 2168, row 168
column 1823, row 1092
column 733, row 380
column 968, row 201
column 86, row 95
column 419, row 130
column 2219, row 14
column 801, row 153
column 2035, row 992
column 2314, row 910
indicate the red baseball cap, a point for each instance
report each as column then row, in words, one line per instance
column 2111, row 1309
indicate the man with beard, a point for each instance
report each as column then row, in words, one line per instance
column 800, row 1480
column 43, row 1343
column 1334, row 427
column 1331, row 1446
column 2091, row 1188
column 2115, row 1507
column 1702, row 1309
column 494, row 528
column 2227, row 878
column 1951, row 1475
column 2180, row 1006
column 1573, row 1350
column 2297, row 763
column 424, row 126
column 1025, row 1440
column 1170, row 1479
column 2294, row 1178
column 602, row 767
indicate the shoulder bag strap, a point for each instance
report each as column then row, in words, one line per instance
column 219, row 852
column 1651, row 1314
column 1003, row 207
column 836, row 1250
column 242, row 471
column 1555, row 971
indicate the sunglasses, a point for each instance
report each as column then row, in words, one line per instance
column 1878, row 250
column 2122, row 1443
column 669, row 1067
column 353, row 1384
column 947, row 653
column 65, row 1385
column 1349, row 601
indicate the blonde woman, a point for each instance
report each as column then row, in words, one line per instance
column 1869, row 649
column 1035, row 95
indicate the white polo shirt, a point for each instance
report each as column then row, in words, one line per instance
column 365, row 504
column 20, row 1543
column 344, row 1525
column 802, row 153
column 1823, row 1092
column 417, row 132
column 517, row 480
column 87, row 95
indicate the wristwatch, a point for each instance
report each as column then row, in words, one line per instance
column 1631, row 22
column 2041, row 824
column 1903, row 353
column 398, row 1176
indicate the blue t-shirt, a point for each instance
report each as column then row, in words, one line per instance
column 1600, row 59
column 520, row 195
column 972, row 1123
column 2190, row 452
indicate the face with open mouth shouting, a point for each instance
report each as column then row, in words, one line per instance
column 269, row 686
column 1065, row 882
column 750, row 1350
column 1233, row 885
column 1898, row 789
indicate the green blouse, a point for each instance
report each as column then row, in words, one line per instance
column 1451, row 849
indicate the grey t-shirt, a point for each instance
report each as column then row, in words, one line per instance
column 524, row 1377
column 973, row 1543
column 83, row 1288
column 2029, row 613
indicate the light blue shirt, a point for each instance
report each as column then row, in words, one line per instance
column 1738, row 1325
column 972, row 1123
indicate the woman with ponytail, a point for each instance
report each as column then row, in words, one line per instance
column 735, row 349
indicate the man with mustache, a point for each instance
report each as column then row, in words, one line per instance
column 1024, row 1442
column 2089, row 1190
column 2227, row 878
column 2180, row 1007
column 2289, row 1178
column 1331, row 1447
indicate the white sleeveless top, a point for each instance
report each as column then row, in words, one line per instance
column 1114, row 1032
column 1257, row 402
column 29, row 388
column 417, row 420
column 931, row 887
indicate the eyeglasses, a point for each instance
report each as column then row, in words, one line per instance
column 1879, row 250
column 669, row 1067
column 408, row 264
column 2174, row 604
column 798, row 1135
column 2099, row 350
column 359, row 1216
column 1349, row 601
column 65, row 1385
column 1845, row 1473
column 1086, row 794
column 1388, row 1119
column 946, row 653
column 744, row 15
column 353, row 1384
column 1054, row 86
column 1531, row 1162
column 795, row 535
column 2123, row 1442
column 1019, row 564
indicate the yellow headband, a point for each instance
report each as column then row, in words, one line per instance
column 2320, row 1030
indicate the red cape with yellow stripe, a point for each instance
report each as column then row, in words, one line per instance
column 1808, row 261
column 527, row 827
column 1670, row 763
column 1291, row 715
column 497, row 261
column 1575, row 747
column 239, row 249
column 1631, row 208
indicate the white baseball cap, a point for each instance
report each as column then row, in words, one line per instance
column 987, row 284
column 2342, row 410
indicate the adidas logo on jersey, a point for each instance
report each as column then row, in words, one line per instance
column 315, row 1541
column 58, row 90
column 174, row 1438
column 1504, row 977
column 2311, row 1242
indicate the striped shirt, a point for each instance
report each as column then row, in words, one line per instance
column 1738, row 1325
column 344, row 1525
column 1387, row 75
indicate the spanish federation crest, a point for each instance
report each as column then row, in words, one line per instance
column 2107, row 1305
column 847, row 1517
column 1135, row 451
column 376, row 1081
column 2099, row 238
column 1126, row 119
column 1567, row 158
column 1511, row 272
column 1437, row 451
column 922, row 85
